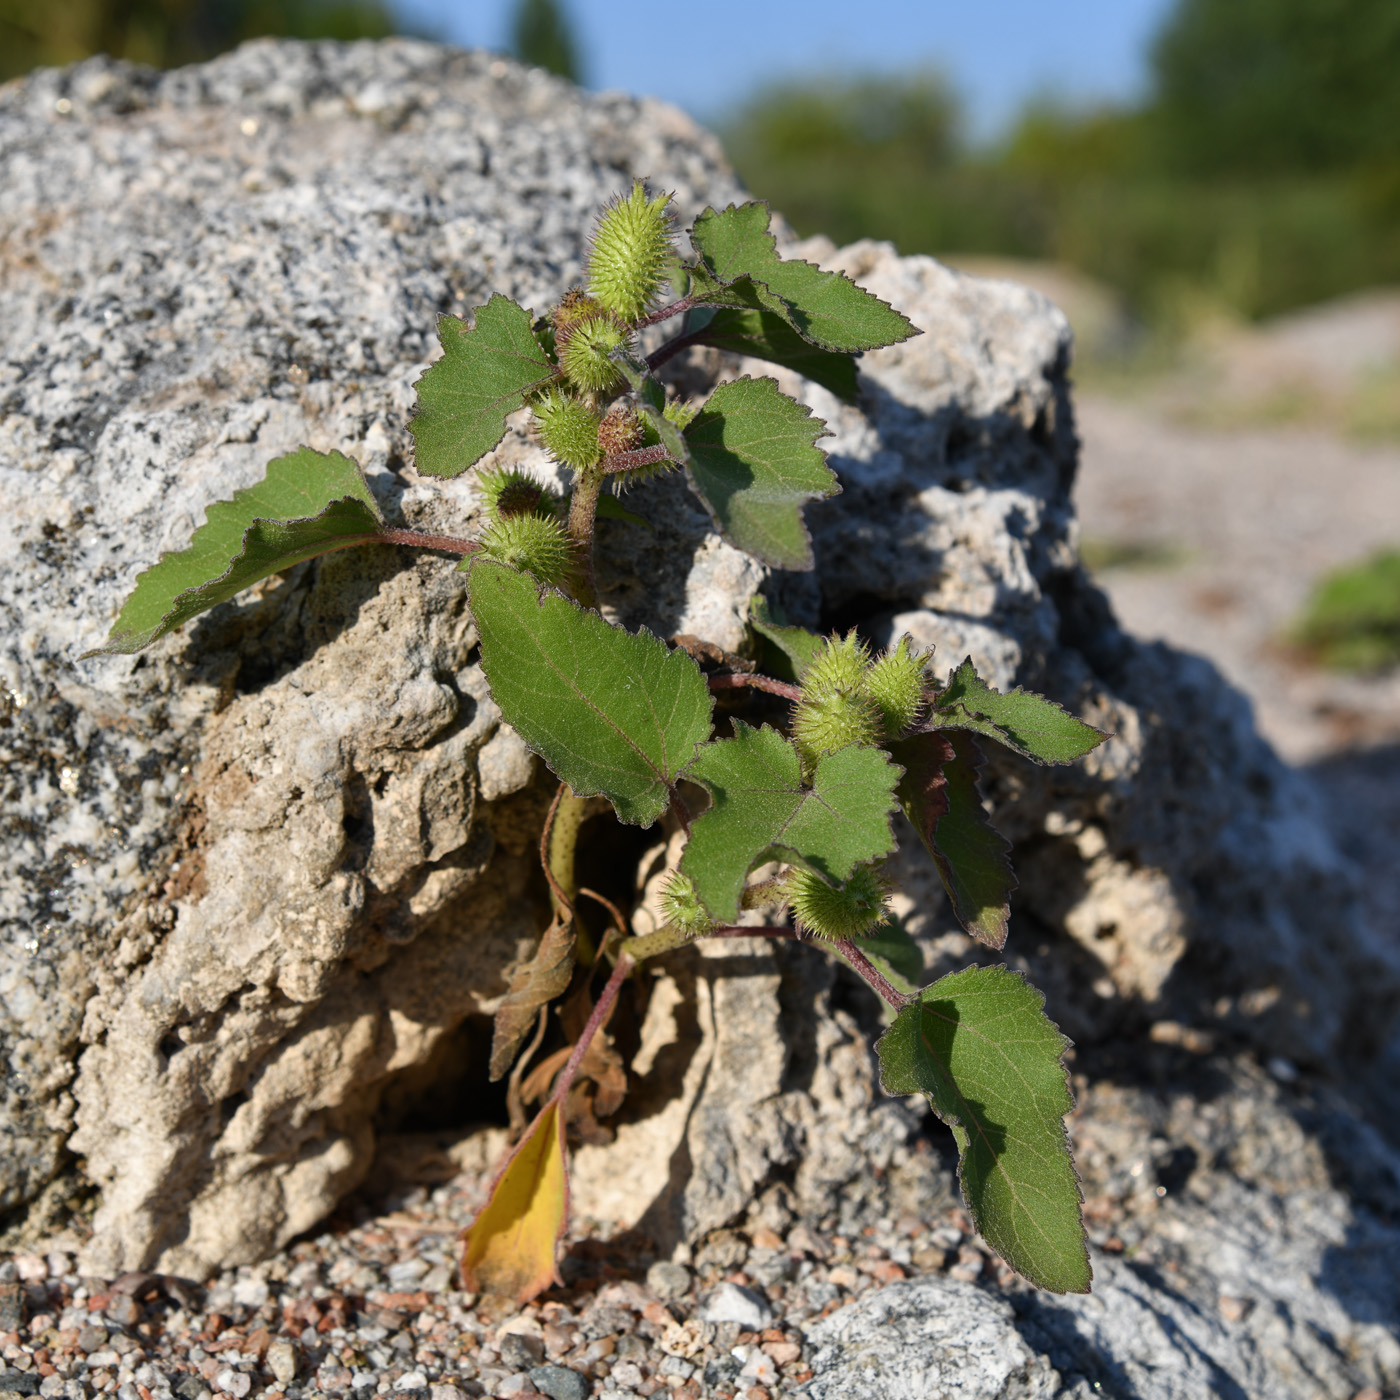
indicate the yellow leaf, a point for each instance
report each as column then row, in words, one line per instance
column 511, row 1246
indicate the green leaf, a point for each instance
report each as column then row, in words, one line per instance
column 787, row 651
column 890, row 943
column 762, row 809
column 485, row 373
column 939, row 795
column 825, row 308
column 767, row 336
column 307, row 504
column 609, row 711
column 979, row 1045
column 651, row 403
column 753, row 462
column 1035, row 727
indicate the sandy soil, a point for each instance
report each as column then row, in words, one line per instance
column 1211, row 540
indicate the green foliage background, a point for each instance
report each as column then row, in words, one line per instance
column 1261, row 173
column 170, row 32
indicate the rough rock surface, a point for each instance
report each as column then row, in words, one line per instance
column 255, row 885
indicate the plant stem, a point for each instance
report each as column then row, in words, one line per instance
column 637, row 457
column 601, row 1011
column 557, row 848
column 583, row 513
column 673, row 347
column 449, row 544
column 664, row 313
column 862, row 965
column 734, row 680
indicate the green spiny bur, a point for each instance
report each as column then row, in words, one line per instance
column 534, row 544
column 510, row 491
column 839, row 668
column 896, row 684
column 568, row 429
column 680, row 413
column 831, row 721
column 631, row 252
column 681, row 906
column 835, row 710
column 587, row 356
column 836, row 911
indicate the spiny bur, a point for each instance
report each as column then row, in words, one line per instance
column 586, row 358
column 620, row 431
column 630, row 251
column 682, row 909
column 573, row 307
column 834, row 710
column 510, row 491
column 840, row 666
column 896, row 684
column 836, row 911
column 534, row 544
column 680, row 413
column 568, row 429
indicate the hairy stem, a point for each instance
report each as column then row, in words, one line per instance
column 557, row 848
column 673, row 347
column 664, row 313
column 862, row 965
column 449, row 544
column 596, row 1021
column 583, row 514
column 637, row 457
column 735, row 680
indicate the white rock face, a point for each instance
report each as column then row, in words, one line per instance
column 254, row 883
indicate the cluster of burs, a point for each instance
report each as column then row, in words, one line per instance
column 848, row 697
column 628, row 259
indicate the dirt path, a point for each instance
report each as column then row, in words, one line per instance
column 1211, row 541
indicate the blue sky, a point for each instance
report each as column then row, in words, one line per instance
column 706, row 54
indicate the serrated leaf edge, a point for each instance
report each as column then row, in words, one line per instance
column 810, row 558
column 112, row 646
column 541, row 594
column 777, row 296
column 1006, row 739
column 920, row 1001
column 522, row 395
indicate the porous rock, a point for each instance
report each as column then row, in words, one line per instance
column 251, row 878
column 256, row 881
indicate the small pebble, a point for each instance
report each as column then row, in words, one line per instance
column 561, row 1383
column 668, row 1280
column 282, row 1361
column 520, row 1350
column 731, row 1303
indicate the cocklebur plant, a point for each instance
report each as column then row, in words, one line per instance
column 794, row 815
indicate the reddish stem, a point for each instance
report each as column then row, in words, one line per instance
column 449, row 544
column 638, row 457
column 664, row 313
column 866, row 969
column 734, row 680
column 608, row 905
column 596, row 1021
column 680, row 810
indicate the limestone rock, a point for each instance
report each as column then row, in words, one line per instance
column 253, row 877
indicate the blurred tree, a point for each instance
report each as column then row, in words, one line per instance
column 169, row 32
column 1248, row 86
column 542, row 36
